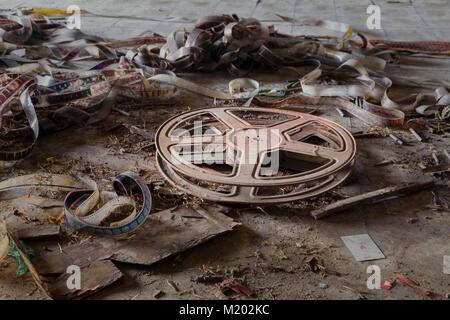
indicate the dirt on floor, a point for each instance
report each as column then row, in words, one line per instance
column 280, row 252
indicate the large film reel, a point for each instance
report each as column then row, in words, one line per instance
column 253, row 155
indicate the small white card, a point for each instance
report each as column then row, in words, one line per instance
column 362, row 247
column 447, row 264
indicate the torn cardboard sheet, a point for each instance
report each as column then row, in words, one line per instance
column 170, row 232
column 362, row 247
column 44, row 232
column 81, row 254
column 166, row 233
column 95, row 277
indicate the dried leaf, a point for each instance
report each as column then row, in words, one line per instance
column 236, row 286
column 387, row 285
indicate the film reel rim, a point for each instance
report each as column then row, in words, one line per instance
column 189, row 187
column 198, row 173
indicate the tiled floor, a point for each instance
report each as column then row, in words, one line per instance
column 414, row 20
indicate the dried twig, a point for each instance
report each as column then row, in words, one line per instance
column 370, row 197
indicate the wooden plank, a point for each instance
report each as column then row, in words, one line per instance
column 370, row 197
column 44, row 232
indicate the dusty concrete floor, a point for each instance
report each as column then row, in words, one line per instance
column 270, row 247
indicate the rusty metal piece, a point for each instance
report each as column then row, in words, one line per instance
column 289, row 136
